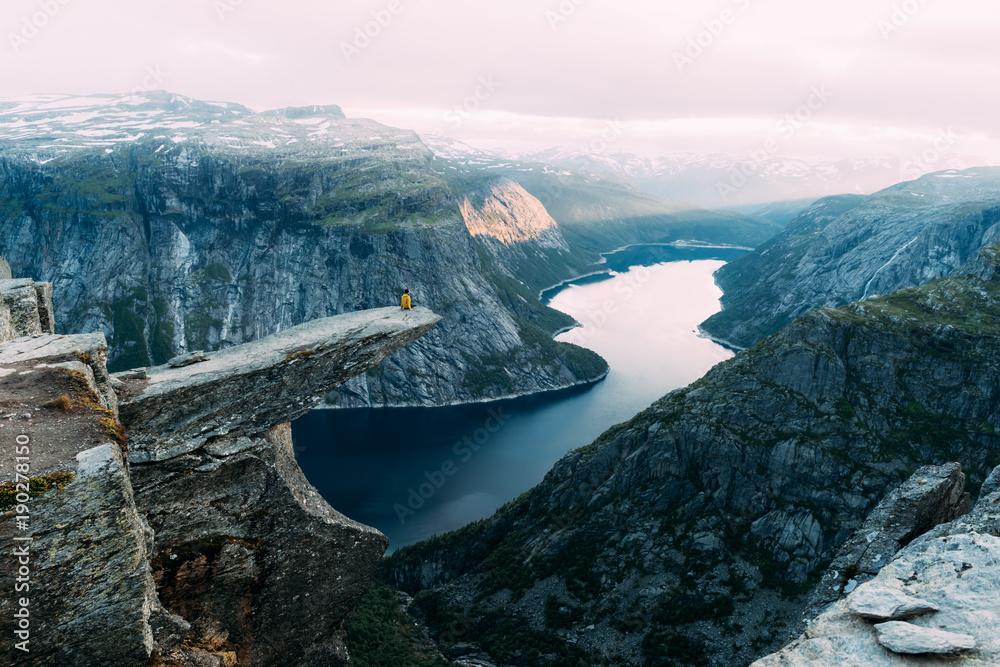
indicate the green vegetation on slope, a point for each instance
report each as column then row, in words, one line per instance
column 379, row 634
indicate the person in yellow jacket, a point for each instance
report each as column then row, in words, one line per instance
column 405, row 304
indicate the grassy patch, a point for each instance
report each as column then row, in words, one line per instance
column 37, row 486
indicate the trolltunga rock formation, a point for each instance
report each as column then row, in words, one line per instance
column 249, row 388
column 210, row 548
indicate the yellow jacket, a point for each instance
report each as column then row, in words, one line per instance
column 405, row 304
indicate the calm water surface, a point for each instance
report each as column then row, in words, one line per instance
column 416, row 472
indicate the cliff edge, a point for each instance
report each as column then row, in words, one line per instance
column 159, row 517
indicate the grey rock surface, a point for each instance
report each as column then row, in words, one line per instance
column 20, row 301
column 5, row 273
column 250, row 554
column 955, row 566
column 46, row 316
column 91, row 583
column 888, row 604
column 931, row 496
column 911, row 639
column 187, row 359
column 247, row 389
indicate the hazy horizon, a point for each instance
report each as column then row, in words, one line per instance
column 733, row 77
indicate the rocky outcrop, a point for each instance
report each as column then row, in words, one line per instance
column 245, row 549
column 849, row 248
column 933, row 495
column 210, row 547
column 506, row 214
column 951, row 573
column 244, row 390
column 705, row 519
column 85, row 571
column 25, row 308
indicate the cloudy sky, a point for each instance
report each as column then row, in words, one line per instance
column 806, row 78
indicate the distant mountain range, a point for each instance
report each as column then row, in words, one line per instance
column 718, row 181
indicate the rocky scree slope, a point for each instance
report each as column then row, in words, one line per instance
column 174, row 225
column 695, row 529
column 170, row 523
column 849, row 247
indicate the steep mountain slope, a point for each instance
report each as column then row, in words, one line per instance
column 174, row 225
column 687, row 533
column 598, row 212
column 848, row 248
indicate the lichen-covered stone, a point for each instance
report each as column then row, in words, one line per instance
column 21, row 301
column 954, row 566
column 91, row 584
column 881, row 603
column 249, row 388
column 5, row 273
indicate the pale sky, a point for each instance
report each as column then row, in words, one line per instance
column 880, row 76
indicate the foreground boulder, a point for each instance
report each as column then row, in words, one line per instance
column 931, row 496
column 954, row 567
column 907, row 638
column 25, row 307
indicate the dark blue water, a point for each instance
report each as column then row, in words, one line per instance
column 416, row 472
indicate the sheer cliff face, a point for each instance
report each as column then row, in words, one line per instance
column 744, row 484
column 191, row 248
column 847, row 248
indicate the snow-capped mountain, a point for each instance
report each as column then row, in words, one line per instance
column 48, row 126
